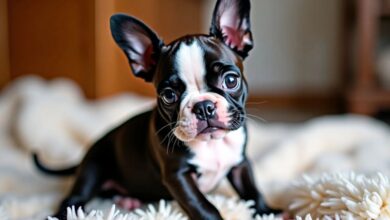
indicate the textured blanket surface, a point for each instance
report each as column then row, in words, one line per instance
column 336, row 196
column 54, row 119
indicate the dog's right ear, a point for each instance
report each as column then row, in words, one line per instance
column 140, row 44
column 231, row 24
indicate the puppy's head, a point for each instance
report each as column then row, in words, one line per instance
column 199, row 78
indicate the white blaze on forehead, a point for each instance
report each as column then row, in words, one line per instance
column 191, row 66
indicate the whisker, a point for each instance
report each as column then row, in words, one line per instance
column 249, row 116
column 257, row 103
column 176, row 140
column 257, row 117
column 169, row 141
column 170, row 134
column 254, row 119
column 169, row 124
column 246, row 117
column 172, row 130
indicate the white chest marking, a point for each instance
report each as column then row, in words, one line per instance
column 215, row 158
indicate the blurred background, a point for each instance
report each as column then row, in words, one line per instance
column 311, row 57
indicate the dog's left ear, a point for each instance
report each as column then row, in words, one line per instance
column 140, row 44
column 231, row 24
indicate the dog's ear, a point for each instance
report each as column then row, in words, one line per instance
column 140, row 44
column 231, row 24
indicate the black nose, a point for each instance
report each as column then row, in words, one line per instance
column 204, row 110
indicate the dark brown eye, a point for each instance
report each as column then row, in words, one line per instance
column 231, row 81
column 169, row 96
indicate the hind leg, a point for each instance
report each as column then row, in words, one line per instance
column 88, row 182
column 127, row 203
column 120, row 196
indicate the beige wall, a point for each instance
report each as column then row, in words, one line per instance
column 296, row 45
column 4, row 52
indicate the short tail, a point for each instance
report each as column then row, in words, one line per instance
column 64, row 172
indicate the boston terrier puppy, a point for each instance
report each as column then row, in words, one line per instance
column 195, row 136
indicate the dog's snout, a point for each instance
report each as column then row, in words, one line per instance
column 204, row 110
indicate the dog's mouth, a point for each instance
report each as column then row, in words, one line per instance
column 209, row 129
column 210, row 126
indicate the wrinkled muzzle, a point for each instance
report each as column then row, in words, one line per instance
column 206, row 116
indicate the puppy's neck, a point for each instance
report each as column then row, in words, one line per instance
column 215, row 157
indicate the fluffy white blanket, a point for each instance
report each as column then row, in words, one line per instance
column 54, row 119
